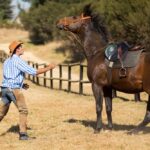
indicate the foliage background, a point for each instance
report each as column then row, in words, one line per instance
column 5, row 12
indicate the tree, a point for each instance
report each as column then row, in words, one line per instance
column 128, row 20
column 5, row 10
column 41, row 21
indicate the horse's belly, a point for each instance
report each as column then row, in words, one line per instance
column 128, row 87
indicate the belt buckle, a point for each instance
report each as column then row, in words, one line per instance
column 10, row 89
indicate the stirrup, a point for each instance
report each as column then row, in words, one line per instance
column 122, row 72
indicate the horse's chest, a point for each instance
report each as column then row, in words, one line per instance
column 98, row 75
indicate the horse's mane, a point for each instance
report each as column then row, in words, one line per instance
column 97, row 20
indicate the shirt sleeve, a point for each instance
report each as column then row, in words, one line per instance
column 24, row 67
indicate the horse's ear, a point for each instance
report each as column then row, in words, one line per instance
column 87, row 10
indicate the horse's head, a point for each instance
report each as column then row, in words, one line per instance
column 74, row 23
column 87, row 21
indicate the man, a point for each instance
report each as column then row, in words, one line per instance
column 14, row 69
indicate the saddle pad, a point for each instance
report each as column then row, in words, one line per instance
column 130, row 60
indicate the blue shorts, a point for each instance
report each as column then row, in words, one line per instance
column 7, row 95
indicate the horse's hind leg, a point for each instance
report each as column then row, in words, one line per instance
column 98, row 94
column 137, row 97
column 145, row 121
column 114, row 93
column 108, row 102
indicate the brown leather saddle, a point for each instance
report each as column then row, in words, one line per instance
column 122, row 56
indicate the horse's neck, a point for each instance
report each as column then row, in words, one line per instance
column 92, row 41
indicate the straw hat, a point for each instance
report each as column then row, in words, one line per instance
column 14, row 45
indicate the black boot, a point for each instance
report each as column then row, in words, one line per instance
column 23, row 136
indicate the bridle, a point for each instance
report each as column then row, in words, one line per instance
column 81, row 19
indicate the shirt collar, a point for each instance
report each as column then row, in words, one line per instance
column 14, row 55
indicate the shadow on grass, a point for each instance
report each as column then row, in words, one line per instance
column 117, row 127
column 127, row 100
column 13, row 129
column 122, row 98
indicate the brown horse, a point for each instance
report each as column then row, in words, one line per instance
column 93, row 35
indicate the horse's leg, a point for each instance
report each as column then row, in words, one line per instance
column 98, row 94
column 137, row 97
column 145, row 121
column 108, row 103
column 114, row 93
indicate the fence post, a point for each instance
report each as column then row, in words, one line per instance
column 33, row 78
column 28, row 74
column 69, row 78
column 37, row 78
column 60, row 76
column 0, row 56
column 80, row 80
column 44, row 77
column 3, row 57
column 51, row 78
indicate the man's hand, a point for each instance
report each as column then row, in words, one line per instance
column 45, row 69
column 51, row 66
column 25, row 86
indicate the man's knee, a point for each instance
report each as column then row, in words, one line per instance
column 3, row 109
column 23, row 110
column 2, row 115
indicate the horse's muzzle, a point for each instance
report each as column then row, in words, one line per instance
column 60, row 26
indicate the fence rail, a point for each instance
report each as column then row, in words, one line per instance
column 61, row 78
column 50, row 77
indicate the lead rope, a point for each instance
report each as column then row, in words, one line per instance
column 75, row 37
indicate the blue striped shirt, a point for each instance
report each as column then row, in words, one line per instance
column 14, row 70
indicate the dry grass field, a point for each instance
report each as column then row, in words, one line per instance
column 64, row 121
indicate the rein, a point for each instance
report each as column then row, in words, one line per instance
column 88, row 55
column 75, row 37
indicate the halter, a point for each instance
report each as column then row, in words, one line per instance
column 74, row 36
column 77, row 20
column 74, row 21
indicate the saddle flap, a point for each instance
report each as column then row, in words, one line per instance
column 131, row 60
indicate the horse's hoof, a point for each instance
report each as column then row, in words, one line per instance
column 110, row 127
column 133, row 132
column 137, row 100
column 96, row 131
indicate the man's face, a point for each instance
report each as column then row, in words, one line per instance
column 20, row 50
